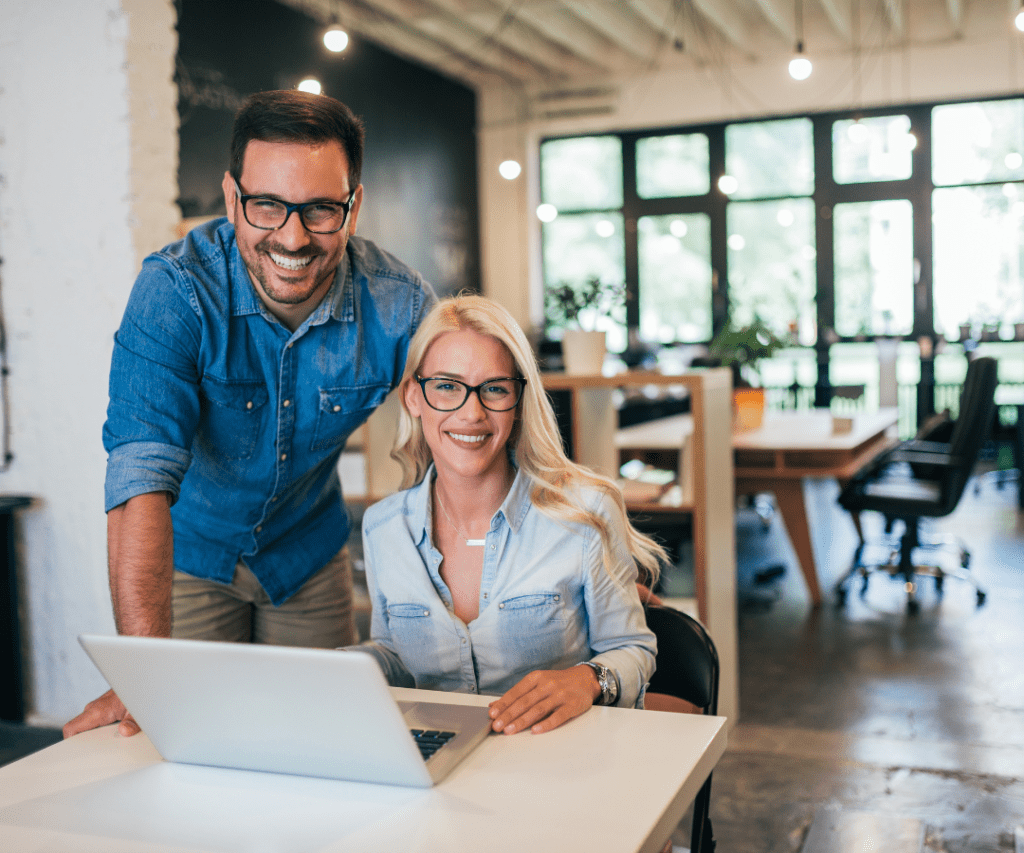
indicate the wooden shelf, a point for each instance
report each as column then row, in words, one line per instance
column 702, row 441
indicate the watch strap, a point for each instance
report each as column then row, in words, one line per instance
column 606, row 681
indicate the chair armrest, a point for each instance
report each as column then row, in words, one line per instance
column 939, row 460
column 919, row 446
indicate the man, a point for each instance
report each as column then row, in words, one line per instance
column 248, row 353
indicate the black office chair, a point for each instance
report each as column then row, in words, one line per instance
column 687, row 668
column 923, row 479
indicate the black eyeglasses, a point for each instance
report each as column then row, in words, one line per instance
column 317, row 217
column 447, row 395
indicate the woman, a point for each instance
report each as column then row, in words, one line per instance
column 502, row 568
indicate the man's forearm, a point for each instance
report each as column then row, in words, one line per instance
column 140, row 546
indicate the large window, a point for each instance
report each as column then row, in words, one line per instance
column 675, row 277
column 978, row 210
column 832, row 229
column 581, row 178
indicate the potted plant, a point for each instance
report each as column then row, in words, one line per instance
column 575, row 308
column 741, row 348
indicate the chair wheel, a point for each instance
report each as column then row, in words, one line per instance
column 913, row 606
column 965, row 561
column 981, row 597
column 840, row 597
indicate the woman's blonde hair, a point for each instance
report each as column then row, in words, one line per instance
column 535, row 444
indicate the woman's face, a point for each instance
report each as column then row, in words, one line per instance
column 470, row 441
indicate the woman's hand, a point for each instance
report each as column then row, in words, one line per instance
column 545, row 699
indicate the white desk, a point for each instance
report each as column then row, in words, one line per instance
column 611, row 780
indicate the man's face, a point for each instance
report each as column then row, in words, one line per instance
column 291, row 268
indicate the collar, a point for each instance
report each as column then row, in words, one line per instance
column 513, row 509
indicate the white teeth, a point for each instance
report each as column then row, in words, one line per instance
column 472, row 439
column 290, row 263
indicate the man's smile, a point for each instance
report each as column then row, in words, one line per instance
column 290, row 263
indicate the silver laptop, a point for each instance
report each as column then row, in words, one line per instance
column 310, row 712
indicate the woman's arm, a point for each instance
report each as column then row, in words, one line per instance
column 545, row 699
column 380, row 645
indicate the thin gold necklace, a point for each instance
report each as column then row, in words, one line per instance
column 474, row 543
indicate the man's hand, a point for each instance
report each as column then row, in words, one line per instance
column 545, row 699
column 647, row 597
column 102, row 712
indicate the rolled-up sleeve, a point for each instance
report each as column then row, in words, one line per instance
column 618, row 630
column 153, row 411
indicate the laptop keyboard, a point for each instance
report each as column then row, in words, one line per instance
column 430, row 741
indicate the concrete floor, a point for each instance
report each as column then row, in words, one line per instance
column 866, row 728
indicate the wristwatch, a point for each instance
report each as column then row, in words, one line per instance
column 606, row 680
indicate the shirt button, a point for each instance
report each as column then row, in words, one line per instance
column 248, row 405
column 426, row 612
column 558, row 598
column 492, row 547
column 286, row 403
column 259, row 528
column 501, row 606
column 273, row 500
column 284, row 456
column 336, row 409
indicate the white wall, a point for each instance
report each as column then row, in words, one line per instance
column 987, row 61
column 88, row 160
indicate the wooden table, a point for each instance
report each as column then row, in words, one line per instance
column 792, row 445
column 614, row 779
column 776, row 457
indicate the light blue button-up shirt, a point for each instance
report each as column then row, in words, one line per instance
column 546, row 599
column 242, row 421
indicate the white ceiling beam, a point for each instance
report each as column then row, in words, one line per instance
column 620, row 25
column 781, row 21
column 955, row 10
column 839, row 16
column 894, row 12
column 560, row 25
column 664, row 16
column 724, row 19
column 431, row 39
column 523, row 40
column 491, row 25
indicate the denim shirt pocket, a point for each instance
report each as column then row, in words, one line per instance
column 533, row 628
column 230, row 416
column 412, row 632
column 342, row 409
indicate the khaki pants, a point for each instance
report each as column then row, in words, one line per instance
column 319, row 615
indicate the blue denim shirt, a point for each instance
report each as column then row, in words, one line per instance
column 546, row 599
column 242, row 421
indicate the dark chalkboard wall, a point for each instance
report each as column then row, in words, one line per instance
column 419, row 171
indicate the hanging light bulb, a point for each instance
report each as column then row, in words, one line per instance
column 1018, row 21
column 335, row 39
column 547, row 213
column 800, row 66
column 311, row 85
column 509, row 169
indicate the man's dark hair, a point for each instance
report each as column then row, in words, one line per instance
column 292, row 116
